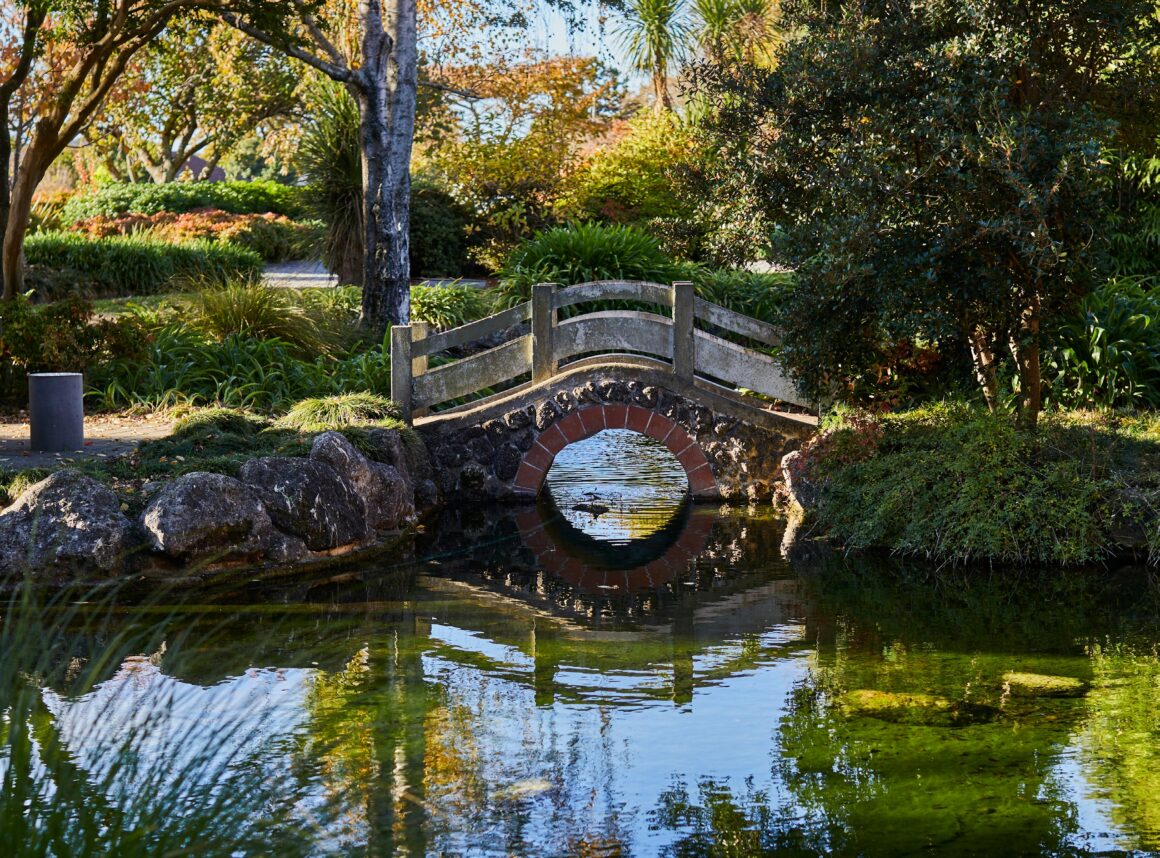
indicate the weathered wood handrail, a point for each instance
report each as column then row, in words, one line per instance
column 417, row 387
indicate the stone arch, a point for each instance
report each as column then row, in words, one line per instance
column 587, row 421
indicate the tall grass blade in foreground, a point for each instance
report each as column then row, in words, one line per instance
column 103, row 752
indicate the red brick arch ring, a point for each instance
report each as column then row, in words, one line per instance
column 586, row 422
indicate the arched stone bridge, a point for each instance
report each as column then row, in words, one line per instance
column 688, row 391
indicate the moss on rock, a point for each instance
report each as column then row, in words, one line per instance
column 926, row 710
column 1042, row 685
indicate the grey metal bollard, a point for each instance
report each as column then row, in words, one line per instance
column 56, row 411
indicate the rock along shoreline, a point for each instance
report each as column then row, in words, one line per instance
column 278, row 512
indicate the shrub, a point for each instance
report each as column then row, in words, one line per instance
column 635, row 180
column 581, row 253
column 438, row 233
column 61, row 337
column 65, row 263
column 755, row 294
column 448, row 306
column 336, row 412
column 260, row 312
column 1108, row 355
column 953, row 483
column 256, row 197
column 274, row 237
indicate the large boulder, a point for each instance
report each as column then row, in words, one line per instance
column 308, row 499
column 211, row 517
column 413, row 463
column 385, row 494
column 65, row 523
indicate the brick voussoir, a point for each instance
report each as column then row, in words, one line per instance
column 615, row 416
column 593, row 419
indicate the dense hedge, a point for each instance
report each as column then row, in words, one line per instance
column 62, row 264
column 257, row 197
column 275, row 237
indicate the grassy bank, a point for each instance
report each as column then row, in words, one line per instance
column 957, row 484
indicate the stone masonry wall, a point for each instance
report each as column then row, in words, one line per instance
column 503, row 452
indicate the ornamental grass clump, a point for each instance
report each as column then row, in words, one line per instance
column 337, row 412
column 449, row 306
column 257, row 311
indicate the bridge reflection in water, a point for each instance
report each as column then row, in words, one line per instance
column 616, row 516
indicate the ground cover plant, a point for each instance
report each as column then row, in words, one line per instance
column 1107, row 354
column 956, row 483
column 248, row 345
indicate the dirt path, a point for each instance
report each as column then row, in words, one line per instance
column 106, row 436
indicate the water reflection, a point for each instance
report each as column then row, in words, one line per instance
column 483, row 703
column 618, row 486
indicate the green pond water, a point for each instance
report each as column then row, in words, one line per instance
column 643, row 679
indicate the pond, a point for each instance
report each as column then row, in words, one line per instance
column 649, row 678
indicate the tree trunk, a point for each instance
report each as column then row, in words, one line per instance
column 34, row 16
column 1025, row 349
column 5, row 196
column 663, row 101
column 386, row 90
column 18, row 217
column 984, row 360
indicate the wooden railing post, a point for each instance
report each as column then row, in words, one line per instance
column 401, row 369
column 684, row 344
column 543, row 325
column 419, row 331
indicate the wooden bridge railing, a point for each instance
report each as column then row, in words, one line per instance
column 416, row 387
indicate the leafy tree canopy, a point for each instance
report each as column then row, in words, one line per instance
column 934, row 170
